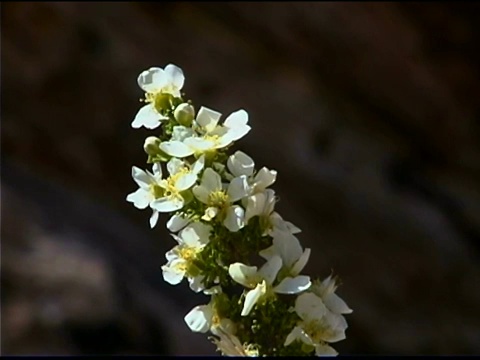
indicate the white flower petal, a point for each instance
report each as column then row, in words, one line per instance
column 264, row 178
column 148, row 117
column 175, row 77
column 157, row 171
column 293, row 285
column 196, row 234
column 152, row 80
column 240, row 164
column 309, row 306
column 298, row 333
column 211, row 181
column 199, row 144
column 201, row 193
column 181, row 133
column 252, row 298
column 234, row 218
column 336, row 304
column 174, row 165
column 177, row 222
column 198, row 165
column 324, row 350
column 167, row 204
column 255, row 206
column 268, row 253
column 196, row 283
column 154, row 219
column 208, row 118
column 140, row 198
column 270, row 269
column 210, row 213
column 185, row 182
column 235, row 134
column 142, row 178
column 236, row 119
column 288, row 246
column 242, row 273
column 238, row 188
column 176, row 148
column 199, row 319
column 171, row 272
column 300, row 264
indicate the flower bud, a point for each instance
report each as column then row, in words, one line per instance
column 184, row 114
column 151, row 145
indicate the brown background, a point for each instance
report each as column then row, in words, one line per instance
column 369, row 111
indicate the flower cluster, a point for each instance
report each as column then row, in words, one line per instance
column 231, row 243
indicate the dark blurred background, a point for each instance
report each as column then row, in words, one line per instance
column 369, row 111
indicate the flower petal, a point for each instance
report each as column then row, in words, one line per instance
column 208, row 118
column 148, row 117
column 236, row 119
column 167, row 204
column 234, row 218
column 201, row 193
column 196, row 234
column 185, row 182
column 300, row 264
column 177, row 222
column 199, row 144
column 252, row 297
column 270, row 269
column 264, row 178
column 293, row 285
column 196, row 283
column 288, row 246
column 242, row 273
column 181, row 133
column 240, row 164
column 238, row 188
column 298, row 333
column 171, row 272
column 309, row 306
column 175, row 77
column 198, row 165
column 152, row 80
column 142, row 178
column 140, row 198
column 199, row 319
column 176, row 148
column 336, row 304
column 211, row 180
column 154, row 219
column 324, row 350
column 174, row 165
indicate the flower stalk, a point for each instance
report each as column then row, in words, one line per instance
column 231, row 243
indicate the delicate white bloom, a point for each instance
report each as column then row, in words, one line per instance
column 191, row 240
column 318, row 325
column 220, row 200
column 157, row 82
column 326, row 291
column 211, row 135
column 260, row 204
column 182, row 178
column 241, row 164
column 288, row 247
column 229, row 345
column 261, row 281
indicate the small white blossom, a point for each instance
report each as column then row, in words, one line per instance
column 288, row 247
column 211, row 135
column 149, row 189
column 182, row 178
column 156, row 82
column 220, row 200
column 191, row 240
column 318, row 326
column 261, row 281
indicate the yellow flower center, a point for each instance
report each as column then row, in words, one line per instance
column 156, row 190
column 218, row 199
column 169, row 183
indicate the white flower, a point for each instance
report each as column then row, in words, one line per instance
column 157, row 82
column 241, row 164
column 261, row 281
column 182, row 178
column 149, row 189
column 204, row 318
column 229, row 344
column 211, row 135
column 260, row 204
column 177, row 222
column 326, row 291
column 220, row 201
column 191, row 240
column 318, row 325
column 288, row 247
